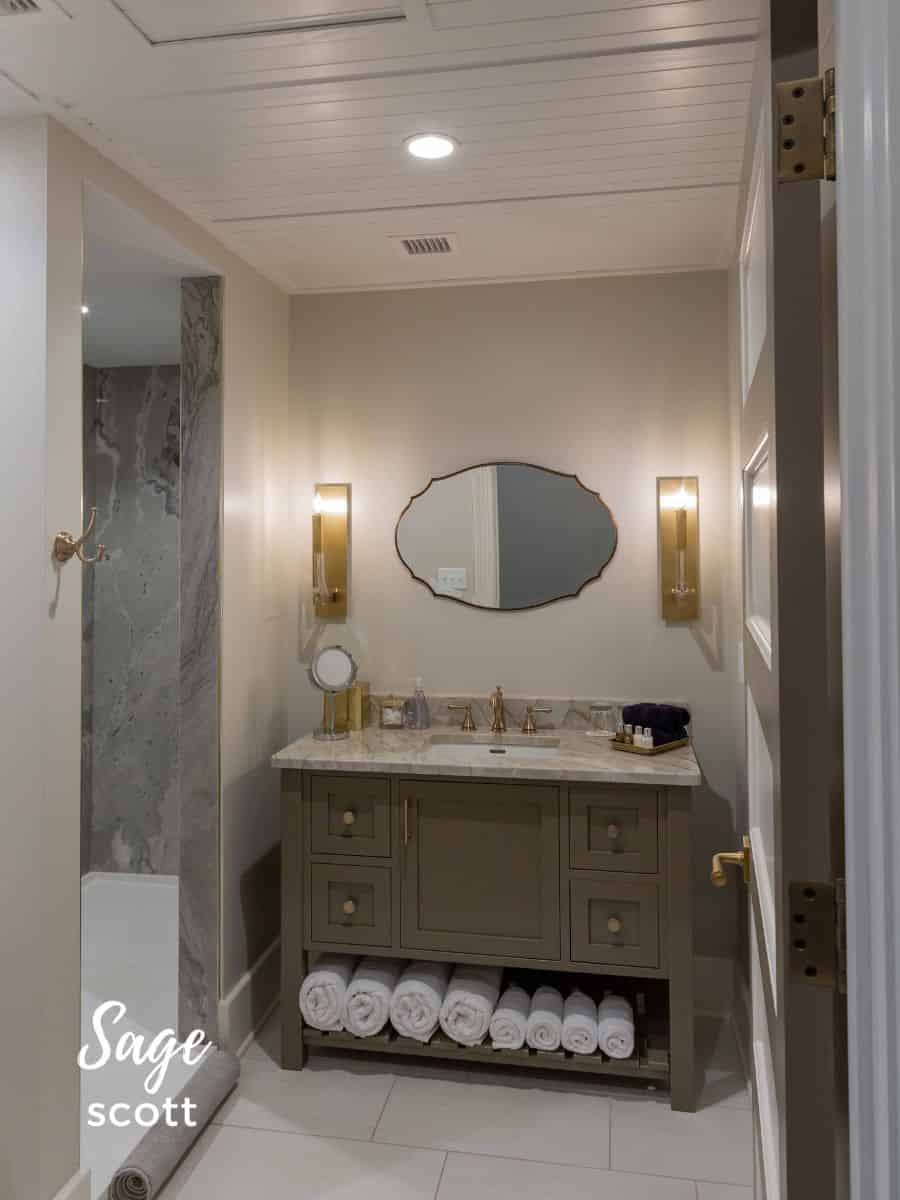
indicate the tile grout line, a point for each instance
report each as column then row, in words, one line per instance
column 541, row 1162
column 383, row 1107
column 609, row 1156
column 437, row 1190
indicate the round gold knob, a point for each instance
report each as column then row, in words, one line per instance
column 613, row 831
column 349, row 817
column 614, row 925
column 349, row 907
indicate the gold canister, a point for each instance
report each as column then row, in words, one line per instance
column 351, row 708
column 358, row 706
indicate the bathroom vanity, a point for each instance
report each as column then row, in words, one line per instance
column 553, row 856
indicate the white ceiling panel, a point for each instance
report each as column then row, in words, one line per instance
column 667, row 231
column 168, row 21
column 14, row 100
column 290, row 145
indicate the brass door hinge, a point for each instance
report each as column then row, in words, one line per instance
column 806, row 110
column 818, row 937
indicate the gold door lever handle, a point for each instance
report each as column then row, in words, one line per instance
column 65, row 546
column 738, row 858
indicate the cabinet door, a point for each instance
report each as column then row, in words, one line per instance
column 480, row 868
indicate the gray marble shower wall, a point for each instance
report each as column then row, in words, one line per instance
column 130, row 753
column 150, row 761
column 201, row 483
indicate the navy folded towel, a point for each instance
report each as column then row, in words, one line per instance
column 667, row 721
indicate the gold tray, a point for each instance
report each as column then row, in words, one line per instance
column 656, row 749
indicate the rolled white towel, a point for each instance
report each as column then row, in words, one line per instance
column 580, row 1030
column 616, row 1026
column 417, row 999
column 544, row 1031
column 510, row 1019
column 470, row 1002
column 323, row 990
column 368, row 1001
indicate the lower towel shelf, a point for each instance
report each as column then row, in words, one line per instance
column 650, row 1063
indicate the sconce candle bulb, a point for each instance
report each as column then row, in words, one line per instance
column 330, row 549
column 679, row 547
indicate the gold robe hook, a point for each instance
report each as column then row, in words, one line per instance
column 65, row 546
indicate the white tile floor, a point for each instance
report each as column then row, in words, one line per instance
column 357, row 1128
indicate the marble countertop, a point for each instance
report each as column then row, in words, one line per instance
column 577, row 757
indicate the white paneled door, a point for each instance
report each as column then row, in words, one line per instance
column 791, row 646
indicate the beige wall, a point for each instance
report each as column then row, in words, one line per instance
column 40, row 659
column 618, row 380
column 44, row 169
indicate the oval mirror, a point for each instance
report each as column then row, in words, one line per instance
column 506, row 536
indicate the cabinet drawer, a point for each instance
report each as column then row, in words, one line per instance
column 614, row 828
column 350, row 904
column 350, row 815
column 615, row 922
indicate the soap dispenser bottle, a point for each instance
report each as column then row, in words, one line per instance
column 419, row 711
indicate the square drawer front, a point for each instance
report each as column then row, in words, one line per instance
column 614, row 828
column 350, row 904
column 614, row 922
column 350, row 815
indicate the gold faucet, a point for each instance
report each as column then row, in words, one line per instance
column 468, row 725
column 498, row 724
column 528, row 725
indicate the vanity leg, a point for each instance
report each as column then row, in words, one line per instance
column 293, row 956
column 682, row 1067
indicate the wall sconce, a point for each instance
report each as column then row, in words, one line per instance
column 331, row 550
column 679, row 547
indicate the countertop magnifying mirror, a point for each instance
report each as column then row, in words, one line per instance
column 333, row 670
column 506, row 536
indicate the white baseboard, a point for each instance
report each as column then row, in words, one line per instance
column 77, row 1188
column 713, row 986
column 250, row 1001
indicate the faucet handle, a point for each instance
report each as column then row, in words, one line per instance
column 528, row 725
column 468, row 725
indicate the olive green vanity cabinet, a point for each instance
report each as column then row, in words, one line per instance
column 583, row 879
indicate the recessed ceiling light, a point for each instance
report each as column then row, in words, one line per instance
column 431, row 145
column 85, row 311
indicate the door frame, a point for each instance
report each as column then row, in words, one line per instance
column 868, row 191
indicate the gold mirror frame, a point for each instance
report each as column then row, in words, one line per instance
column 506, row 462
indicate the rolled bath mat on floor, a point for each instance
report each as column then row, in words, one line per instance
column 162, row 1148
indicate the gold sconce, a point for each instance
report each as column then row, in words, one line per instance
column 331, row 549
column 679, row 547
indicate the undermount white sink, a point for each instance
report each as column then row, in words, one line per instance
column 468, row 747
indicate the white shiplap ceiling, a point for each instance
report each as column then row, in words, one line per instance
column 595, row 135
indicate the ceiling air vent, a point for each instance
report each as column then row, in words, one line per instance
column 18, row 8
column 426, row 243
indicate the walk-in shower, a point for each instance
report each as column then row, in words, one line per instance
column 152, row 449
